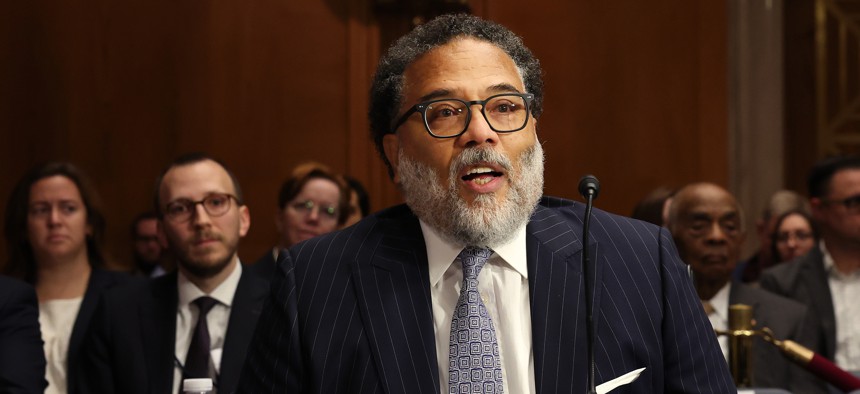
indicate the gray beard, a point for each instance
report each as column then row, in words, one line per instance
column 492, row 220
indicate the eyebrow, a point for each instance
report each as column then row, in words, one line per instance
column 503, row 87
column 438, row 93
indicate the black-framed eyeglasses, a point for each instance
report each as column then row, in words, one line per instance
column 851, row 204
column 449, row 118
column 307, row 207
column 215, row 204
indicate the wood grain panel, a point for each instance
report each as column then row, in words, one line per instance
column 635, row 94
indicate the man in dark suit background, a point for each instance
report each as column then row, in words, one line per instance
column 827, row 279
column 22, row 360
column 476, row 283
column 707, row 224
column 149, row 337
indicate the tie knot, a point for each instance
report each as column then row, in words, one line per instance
column 205, row 304
column 473, row 259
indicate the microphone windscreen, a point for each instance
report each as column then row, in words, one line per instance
column 589, row 185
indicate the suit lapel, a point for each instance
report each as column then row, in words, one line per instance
column 393, row 291
column 557, row 299
column 99, row 280
column 158, row 332
column 246, row 308
column 815, row 278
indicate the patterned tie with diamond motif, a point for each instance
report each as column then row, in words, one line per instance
column 474, row 365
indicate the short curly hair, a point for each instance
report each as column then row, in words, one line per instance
column 386, row 94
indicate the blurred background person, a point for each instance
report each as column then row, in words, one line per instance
column 54, row 228
column 313, row 201
column 654, row 207
column 795, row 235
column 780, row 202
column 359, row 201
column 22, row 360
column 147, row 251
column 707, row 224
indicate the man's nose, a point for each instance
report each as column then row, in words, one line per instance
column 478, row 131
column 716, row 234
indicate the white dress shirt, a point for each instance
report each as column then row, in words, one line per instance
column 720, row 316
column 845, row 291
column 504, row 287
column 217, row 319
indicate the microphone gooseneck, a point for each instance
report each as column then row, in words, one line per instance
column 589, row 188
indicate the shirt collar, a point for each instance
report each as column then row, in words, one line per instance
column 829, row 265
column 720, row 302
column 188, row 291
column 441, row 254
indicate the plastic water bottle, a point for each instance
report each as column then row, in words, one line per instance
column 197, row 386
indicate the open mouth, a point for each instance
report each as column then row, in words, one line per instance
column 481, row 175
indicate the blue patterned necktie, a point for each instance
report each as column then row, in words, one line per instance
column 474, row 365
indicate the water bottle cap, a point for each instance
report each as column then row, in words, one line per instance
column 197, row 385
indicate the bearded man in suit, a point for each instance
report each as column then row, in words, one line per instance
column 475, row 283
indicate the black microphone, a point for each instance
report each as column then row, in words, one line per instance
column 589, row 188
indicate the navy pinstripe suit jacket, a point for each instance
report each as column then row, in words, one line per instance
column 350, row 312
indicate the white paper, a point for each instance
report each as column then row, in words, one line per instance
column 627, row 378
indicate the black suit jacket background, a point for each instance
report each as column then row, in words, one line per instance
column 131, row 349
column 22, row 357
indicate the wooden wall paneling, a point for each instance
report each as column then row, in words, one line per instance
column 634, row 94
column 631, row 95
column 799, row 92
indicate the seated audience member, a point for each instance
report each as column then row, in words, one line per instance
column 54, row 228
column 707, row 225
column 780, row 202
column 386, row 305
column 827, row 279
column 359, row 202
column 147, row 250
column 197, row 321
column 313, row 201
column 795, row 235
column 654, row 208
column 22, row 359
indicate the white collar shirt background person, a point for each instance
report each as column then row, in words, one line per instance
column 504, row 287
column 720, row 316
column 845, row 292
column 217, row 319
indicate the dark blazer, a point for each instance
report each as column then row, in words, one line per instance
column 265, row 266
column 100, row 282
column 788, row 320
column 22, row 358
column 351, row 311
column 131, row 347
column 804, row 280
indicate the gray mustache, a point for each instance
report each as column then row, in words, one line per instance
column 472, row 156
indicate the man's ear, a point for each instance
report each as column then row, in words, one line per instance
column 244, row 220
column 391, row 147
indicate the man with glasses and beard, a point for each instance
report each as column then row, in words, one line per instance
column 827, row 279
column 475, row 284
column 197, row 321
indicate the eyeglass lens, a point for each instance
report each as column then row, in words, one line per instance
column 307, row 207
column 213, row 204
column 503, row 113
